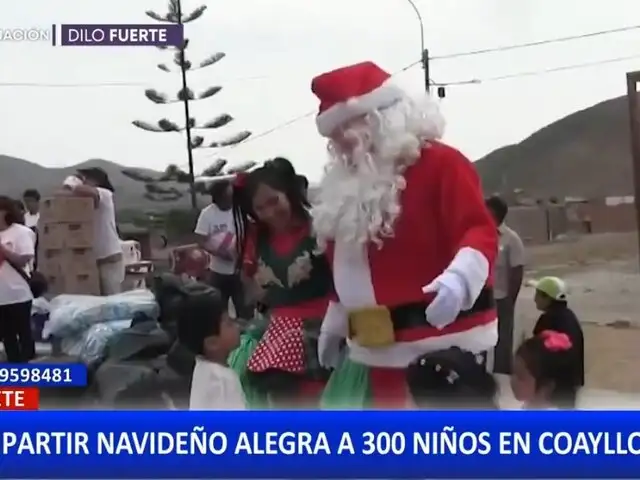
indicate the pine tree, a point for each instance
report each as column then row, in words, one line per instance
column 181, row 64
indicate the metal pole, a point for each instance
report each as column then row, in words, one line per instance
column 183, row 71
column 424, row 53
column 633, row 78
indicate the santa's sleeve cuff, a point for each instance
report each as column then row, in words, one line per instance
column 336, row 320
column 473, row 268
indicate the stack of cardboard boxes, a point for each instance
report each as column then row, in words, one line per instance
column 65, row 251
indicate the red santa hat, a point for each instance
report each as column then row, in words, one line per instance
column 350, row 92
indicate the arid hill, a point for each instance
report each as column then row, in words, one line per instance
column 586, row 154
column 17, row 174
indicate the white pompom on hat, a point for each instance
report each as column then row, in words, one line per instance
column 350, row 92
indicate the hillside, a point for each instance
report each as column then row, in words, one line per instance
column 17, row 174
column 586, row 154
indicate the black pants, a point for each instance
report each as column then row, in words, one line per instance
column 503, row 356
column 230, row 286
column 15, row 332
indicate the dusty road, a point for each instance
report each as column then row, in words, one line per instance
column 603, row 275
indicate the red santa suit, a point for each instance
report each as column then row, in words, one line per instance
column 427, row 287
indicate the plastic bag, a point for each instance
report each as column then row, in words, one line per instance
column 348, row 388
column 238, row 359
column 40, row 306
column 90, row 346
column 256, row 400
column 142, row 385
column 142, row 341
column 73, row 314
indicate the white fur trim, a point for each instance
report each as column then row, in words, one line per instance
column 402, row 354
column 336, row 320
column 473, row 267
column 383, row 96
column 354, row 285
column 352, row 276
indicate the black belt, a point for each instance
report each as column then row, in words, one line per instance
column 413, row 314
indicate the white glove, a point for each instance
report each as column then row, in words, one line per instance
column 335, row 328
column 329, row 349
column 447, row 304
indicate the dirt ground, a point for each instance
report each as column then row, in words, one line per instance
column 603, row 275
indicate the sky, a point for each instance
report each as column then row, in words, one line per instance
column 275, row 47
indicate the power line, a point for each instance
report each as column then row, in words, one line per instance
column 458, row 83
column 538, row 43
column 109, row 84
column 484, row 51
column 70, row 85
column 468, row 53
column 292, row 120
column 533, row 73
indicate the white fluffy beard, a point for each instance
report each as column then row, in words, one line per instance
column 358, row 204
column 358, row 199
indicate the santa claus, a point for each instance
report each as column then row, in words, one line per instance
column 404, row 222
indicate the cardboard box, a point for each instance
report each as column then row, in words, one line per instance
column 66, row 235
column 66, row 261
column 66, row 208
column 81, row 260
column 74, row 283
column 55, row 282
column 131, row 251
column 49, row 261
column 79, row 235
column 82, row 283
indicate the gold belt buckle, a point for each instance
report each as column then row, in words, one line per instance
column 372, row 327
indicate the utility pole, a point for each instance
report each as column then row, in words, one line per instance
column 424, row 53
column 425, row 67
column 633, row 78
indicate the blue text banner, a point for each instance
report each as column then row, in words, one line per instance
column 43, row 375
column 323, row 445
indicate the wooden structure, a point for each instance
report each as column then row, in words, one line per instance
column 633, row 79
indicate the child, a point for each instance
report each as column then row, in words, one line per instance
column 544, row 375
column 279, row 253
column 551, row 299
column 206, row 329
column 452, row 379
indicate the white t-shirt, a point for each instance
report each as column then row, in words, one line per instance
column 107, row 241
column 511, row 254
column 218, row 226
column 29, row 266
column 215, row 387
column 31, row 219
column 14, row 288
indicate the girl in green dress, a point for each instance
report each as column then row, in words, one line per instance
column 278, row 252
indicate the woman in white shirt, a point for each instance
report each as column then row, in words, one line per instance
column 95, row 183
column 16, row 252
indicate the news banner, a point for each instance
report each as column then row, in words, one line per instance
column 298, row 444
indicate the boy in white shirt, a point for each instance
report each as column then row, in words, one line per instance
column 207, row 330
column 217, row 235
column 31, row 199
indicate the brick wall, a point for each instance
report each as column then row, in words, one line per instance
column 608, row 218
column 536, row 224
